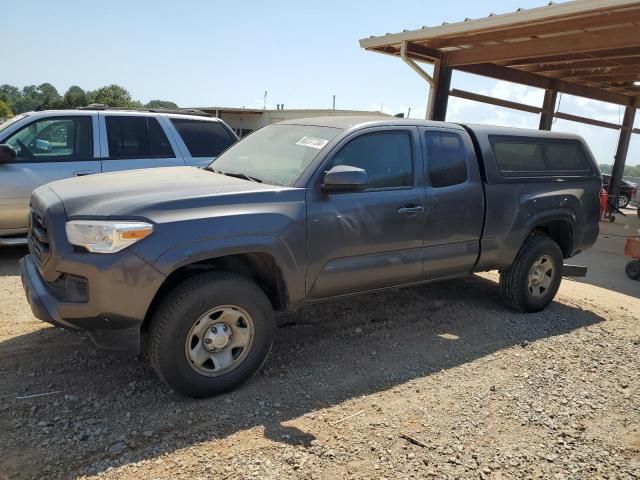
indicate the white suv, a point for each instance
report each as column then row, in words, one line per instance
column 55, row 144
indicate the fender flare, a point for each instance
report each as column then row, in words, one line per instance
column 211, row 248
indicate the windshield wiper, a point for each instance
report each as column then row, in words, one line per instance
column 235, row 175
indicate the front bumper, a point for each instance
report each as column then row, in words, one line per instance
column 42, row 303
column 121, row 289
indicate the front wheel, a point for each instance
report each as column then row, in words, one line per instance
column 623, row 201
column 533, row 279
column 211, row 334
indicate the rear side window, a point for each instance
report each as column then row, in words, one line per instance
column 136, row 137
column 515, row 157
column 386, row 157
column 518, row 156
column 566, row 157
column 446, row 159
column 203, row 139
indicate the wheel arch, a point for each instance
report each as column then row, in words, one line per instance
column 559, row 230
column 264, row 259
column 558, row 225
column 259, row 267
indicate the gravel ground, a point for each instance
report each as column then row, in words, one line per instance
column 439, row 381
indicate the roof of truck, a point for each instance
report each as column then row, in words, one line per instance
column 348, row 122
column 479, row 129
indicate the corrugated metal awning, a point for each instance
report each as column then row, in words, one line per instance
column 589, row 48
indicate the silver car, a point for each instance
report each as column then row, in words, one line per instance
column 55, row 144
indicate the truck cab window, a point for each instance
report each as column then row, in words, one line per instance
column 386, row 157
column 446, row 159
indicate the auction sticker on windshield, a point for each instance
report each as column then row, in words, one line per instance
column 313, row 142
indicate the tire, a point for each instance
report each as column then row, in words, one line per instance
column 515, row 287
column 186, row 310
column 633, row 270
column 623, row 201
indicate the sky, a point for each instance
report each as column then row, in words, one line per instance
column 210, row 52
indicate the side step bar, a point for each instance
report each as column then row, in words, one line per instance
column 574, row 270
column 12, row 241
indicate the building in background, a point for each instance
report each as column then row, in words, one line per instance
column 246, row 120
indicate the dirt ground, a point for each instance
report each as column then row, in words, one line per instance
column 439, row 381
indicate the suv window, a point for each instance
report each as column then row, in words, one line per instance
column 521, row 156
column 202, row 138
column 446, row 159
column 136, row 137
column 54, row 139
column 386, row 157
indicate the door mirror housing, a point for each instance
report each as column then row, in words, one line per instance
column 43, row 145
column 7, row 153
column 344, row 178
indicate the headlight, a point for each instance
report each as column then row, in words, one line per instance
column 106, row 236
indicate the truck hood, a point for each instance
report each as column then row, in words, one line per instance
column 150, row 192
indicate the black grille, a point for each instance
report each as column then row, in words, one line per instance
column 38, row 237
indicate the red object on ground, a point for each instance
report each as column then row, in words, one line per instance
column 632, row 247
column 603, row 203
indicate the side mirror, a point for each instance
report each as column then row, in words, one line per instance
column 43, row 145
column 7, row 153
column 344, row 178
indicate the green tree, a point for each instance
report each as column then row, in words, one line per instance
column 161, row 104
column 75, row 97
column 632, row 171
column 48, row 95
column 604, row 168
column 31, row 97
column 5, row 111
column 10, row 95
column 112, row 95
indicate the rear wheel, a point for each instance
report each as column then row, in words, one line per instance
column 533, row 279
column 633, row 269
column 211, row 334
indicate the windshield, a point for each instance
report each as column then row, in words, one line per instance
column 11, row 121
column 276, row 154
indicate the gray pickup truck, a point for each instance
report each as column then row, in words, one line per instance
column 302, row 211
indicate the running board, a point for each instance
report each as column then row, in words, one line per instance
column 12, row 241
column 574, row 271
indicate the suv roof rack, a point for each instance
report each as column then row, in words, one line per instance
column 179, row 111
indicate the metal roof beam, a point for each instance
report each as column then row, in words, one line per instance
column 579, row 64
column 525, row 78
column 620, row 37
column 591, row 72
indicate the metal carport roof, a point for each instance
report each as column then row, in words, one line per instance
column 588, row 48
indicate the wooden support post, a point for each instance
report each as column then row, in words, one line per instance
column 442, row 84
column 621, row 152
column 548, row 109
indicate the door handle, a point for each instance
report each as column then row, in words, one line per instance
column 82, row 173
column 411, row 209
